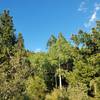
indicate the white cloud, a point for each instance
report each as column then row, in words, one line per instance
column 93, row 17
column 97, row 6
column 37, row 50
column 82, row 6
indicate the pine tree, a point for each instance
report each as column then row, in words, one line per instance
column 15, row 67
column 7, row 36
column 20, row 41
column 51, row 41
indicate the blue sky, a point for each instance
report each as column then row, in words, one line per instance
column 38, row 19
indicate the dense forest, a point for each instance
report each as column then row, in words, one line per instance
column 67, row 71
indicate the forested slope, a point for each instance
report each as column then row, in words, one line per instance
column 67, row 71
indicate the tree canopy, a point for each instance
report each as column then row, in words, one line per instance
column 67, row 71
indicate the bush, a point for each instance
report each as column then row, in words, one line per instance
column 35, row 88
column 57, row 94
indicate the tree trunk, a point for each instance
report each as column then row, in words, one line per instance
column 60, row 80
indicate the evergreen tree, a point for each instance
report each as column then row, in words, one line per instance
column 14, row 64
column 51, row 41
column 20, row 41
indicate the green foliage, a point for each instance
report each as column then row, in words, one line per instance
column 51, row 41
column 77, row 92
column 65, row 72
column 57, row 94
column 20, row 41
column 35, row 88
column 7, row 36
column 14, row 65
column 95, row 87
